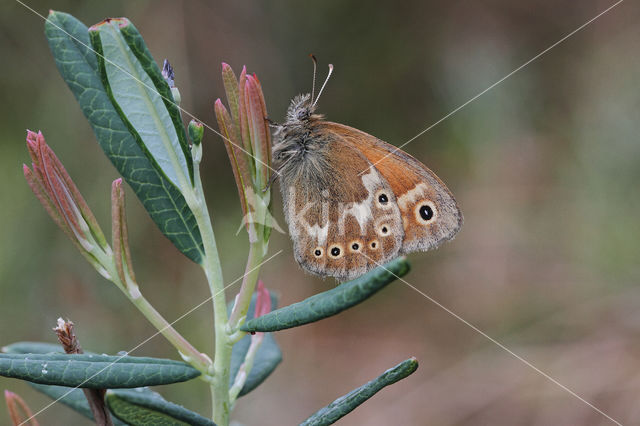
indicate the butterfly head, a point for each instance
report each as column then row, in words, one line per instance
column 300, row 146
column 300, row 110
column 302, row 107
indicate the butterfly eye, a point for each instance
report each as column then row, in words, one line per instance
column 336, row 251
column 355, row 246
column 374, row 244
column 317, row 252
column 303, row 114
column 383, row 229
column 425, row 212
column 382, row 197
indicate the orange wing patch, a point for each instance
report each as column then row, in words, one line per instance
column 430, row 214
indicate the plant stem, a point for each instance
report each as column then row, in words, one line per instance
column 252, row 271
column 213, row 272
column 224, row 326
column 130, row 288
column 245, row 368
column 189, row 353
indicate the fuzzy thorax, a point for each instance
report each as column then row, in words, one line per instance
column 300, row 148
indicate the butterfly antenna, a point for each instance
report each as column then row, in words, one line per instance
column 315, row 65
column 324, row 84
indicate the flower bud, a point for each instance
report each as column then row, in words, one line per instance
column 196, row 131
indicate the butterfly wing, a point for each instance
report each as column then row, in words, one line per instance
column 430, row 214
column 336, row 221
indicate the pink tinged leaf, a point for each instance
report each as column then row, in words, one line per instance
column 16, row 405
column 120, row 233
column 230, row 82
column 40, row 185
column 61, row 197
column 257, row 128
column 32, row 146
column 52, row 182
column 36, row 145
column 125, row 234
column 263, row 306
column 244, row 123
column 79, row 201
column 52, row 209
column 47, row 182
column 41, row 194
column 34, row 140
column 232, row 139
column 265, row 115
column 116, row 229
column 237, row 158
column 37, row 171
column 64, row 194
column 263, row 300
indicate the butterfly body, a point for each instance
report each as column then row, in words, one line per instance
column 353, row 202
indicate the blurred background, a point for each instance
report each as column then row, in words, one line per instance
column 545, row 167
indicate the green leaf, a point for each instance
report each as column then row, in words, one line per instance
column 69, row 42
column 139, row 48
column 71, row 397
column 74, row 398
column 32, row 348
column 349, row 402
column 148, row 408
column 138, row 100
column 94, row 371
column 330, row 302
column 267, row 358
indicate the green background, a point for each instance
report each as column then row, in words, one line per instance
column 545, row 167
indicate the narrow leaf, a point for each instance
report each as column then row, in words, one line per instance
column 41, row 194
column 233, row 94
column 330, row 302
column 138, row 101
column 71, row 397
column 32, row 348
column 267, row 358
column 349, row 402
column 258, row 129
column 139, row 48
column 69, row 42
column 120, row 234
column 265, row 116
column 19, row 411
column 141, row 409
column 237, row 158
column 244, row 123
column 94, row 371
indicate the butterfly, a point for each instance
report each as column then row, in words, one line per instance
column 353, row 202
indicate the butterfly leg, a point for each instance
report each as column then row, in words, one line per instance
column 272, row 179
column 272, row 123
